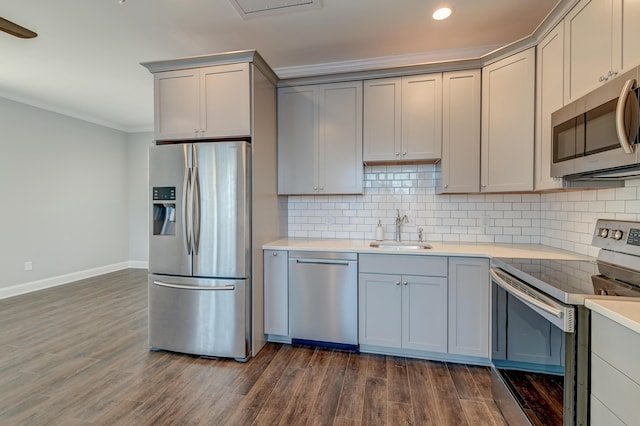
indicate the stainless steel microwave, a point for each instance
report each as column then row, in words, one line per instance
column 596, row 136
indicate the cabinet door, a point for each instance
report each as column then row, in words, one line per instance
column 276, row 292
column 589, row 37
column 460, row 131
column 469, row 306
column 380, row 310
column 549, row 98
column 176, row 104
column 297, row 140
column 225, row 100
column 422, row 117
column 630, row 34
column 424, row 313
column 339, row 153
column 382, row 119
column 508, row 99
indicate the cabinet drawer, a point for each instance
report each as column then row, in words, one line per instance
column 435, row 266
column 613, row 343
column 615, row 390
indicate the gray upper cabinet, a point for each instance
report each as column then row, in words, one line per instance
column 403, row 118
column 207, row 102
column 508, row 99
column 600, row 43
column 460, row 165
column 549, row 98
column 320, row 139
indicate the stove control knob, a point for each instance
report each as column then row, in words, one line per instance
column 617, row 234
column 603, row 232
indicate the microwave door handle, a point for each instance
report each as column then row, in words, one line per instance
column 627, row 91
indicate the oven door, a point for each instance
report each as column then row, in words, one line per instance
column 536, row 351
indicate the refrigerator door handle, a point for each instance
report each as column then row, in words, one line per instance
column 195, row 197
column 230, row 287
column 186, row 203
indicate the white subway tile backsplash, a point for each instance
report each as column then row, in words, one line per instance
column 560, row 219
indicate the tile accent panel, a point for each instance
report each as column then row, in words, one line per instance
column 492, row 218
column 569, row 218
column 563, row 219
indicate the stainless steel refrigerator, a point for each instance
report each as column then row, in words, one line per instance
column 200, row 248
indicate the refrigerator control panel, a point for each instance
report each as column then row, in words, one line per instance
column 163, row 193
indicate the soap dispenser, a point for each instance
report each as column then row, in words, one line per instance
column 379, row 232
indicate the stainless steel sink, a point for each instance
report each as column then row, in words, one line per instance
column 400, row 245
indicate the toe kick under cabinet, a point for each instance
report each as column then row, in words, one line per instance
column 425, row 306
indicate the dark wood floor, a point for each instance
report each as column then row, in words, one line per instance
column 540, row 395
column 78, row 354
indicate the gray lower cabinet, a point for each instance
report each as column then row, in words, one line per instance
column 469, row 306
column 615, row 373
column 276, row 292
column 403, row 302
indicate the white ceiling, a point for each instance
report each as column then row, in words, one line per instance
column 86, row 59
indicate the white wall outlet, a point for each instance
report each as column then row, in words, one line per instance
column 28, row 265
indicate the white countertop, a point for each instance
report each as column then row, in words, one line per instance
column 534, row 251
column 624, row 312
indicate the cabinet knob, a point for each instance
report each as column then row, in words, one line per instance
column 446, row 186
column 404, row 153
column 613, row 73
column 397, row 154
column 405, row 283
column 397, row 282
column 315, row 188
column 602, row 79
column 275, row 253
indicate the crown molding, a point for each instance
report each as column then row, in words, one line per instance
column 384, row 62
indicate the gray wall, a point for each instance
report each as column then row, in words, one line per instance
column 138, row 178
column 65, row 195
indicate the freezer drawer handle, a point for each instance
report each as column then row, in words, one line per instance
column 323, row 262
column 195, row 287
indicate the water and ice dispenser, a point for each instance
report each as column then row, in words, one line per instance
column 164, row 210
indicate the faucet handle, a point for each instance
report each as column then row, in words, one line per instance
column 420, row 234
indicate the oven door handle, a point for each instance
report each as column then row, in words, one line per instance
column 524, row 297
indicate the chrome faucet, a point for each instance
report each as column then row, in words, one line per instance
column 399, row 221
column 420, row 235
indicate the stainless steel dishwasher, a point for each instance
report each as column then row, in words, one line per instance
column 323, row 296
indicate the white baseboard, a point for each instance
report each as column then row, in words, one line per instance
column 68, row 278
column 138, row 264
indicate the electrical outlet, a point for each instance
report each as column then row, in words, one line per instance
column 28, row 265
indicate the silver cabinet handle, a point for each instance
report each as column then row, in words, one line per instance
column 623, row 139
column 323, row 262
column 275, row 253
column 397, row 282
column 195, row 287
column 613, row 73
column 405, row 283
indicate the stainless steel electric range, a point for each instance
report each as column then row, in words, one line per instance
column 540, row 327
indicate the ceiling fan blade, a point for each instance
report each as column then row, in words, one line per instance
column 15, row 29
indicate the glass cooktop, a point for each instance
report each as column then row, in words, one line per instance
column 561, row 278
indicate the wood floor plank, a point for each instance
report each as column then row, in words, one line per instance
column 301, row 404
column 352, row 397
column 447, row 402
column 78, row 354
column 398, row 380
column 422, row 394
column 375, row 402
column 463, row 380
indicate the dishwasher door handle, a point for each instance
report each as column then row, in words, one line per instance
column 324, row 262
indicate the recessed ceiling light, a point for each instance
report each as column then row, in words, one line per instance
column 442, row 13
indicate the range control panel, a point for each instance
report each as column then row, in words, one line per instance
column 617, row 235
